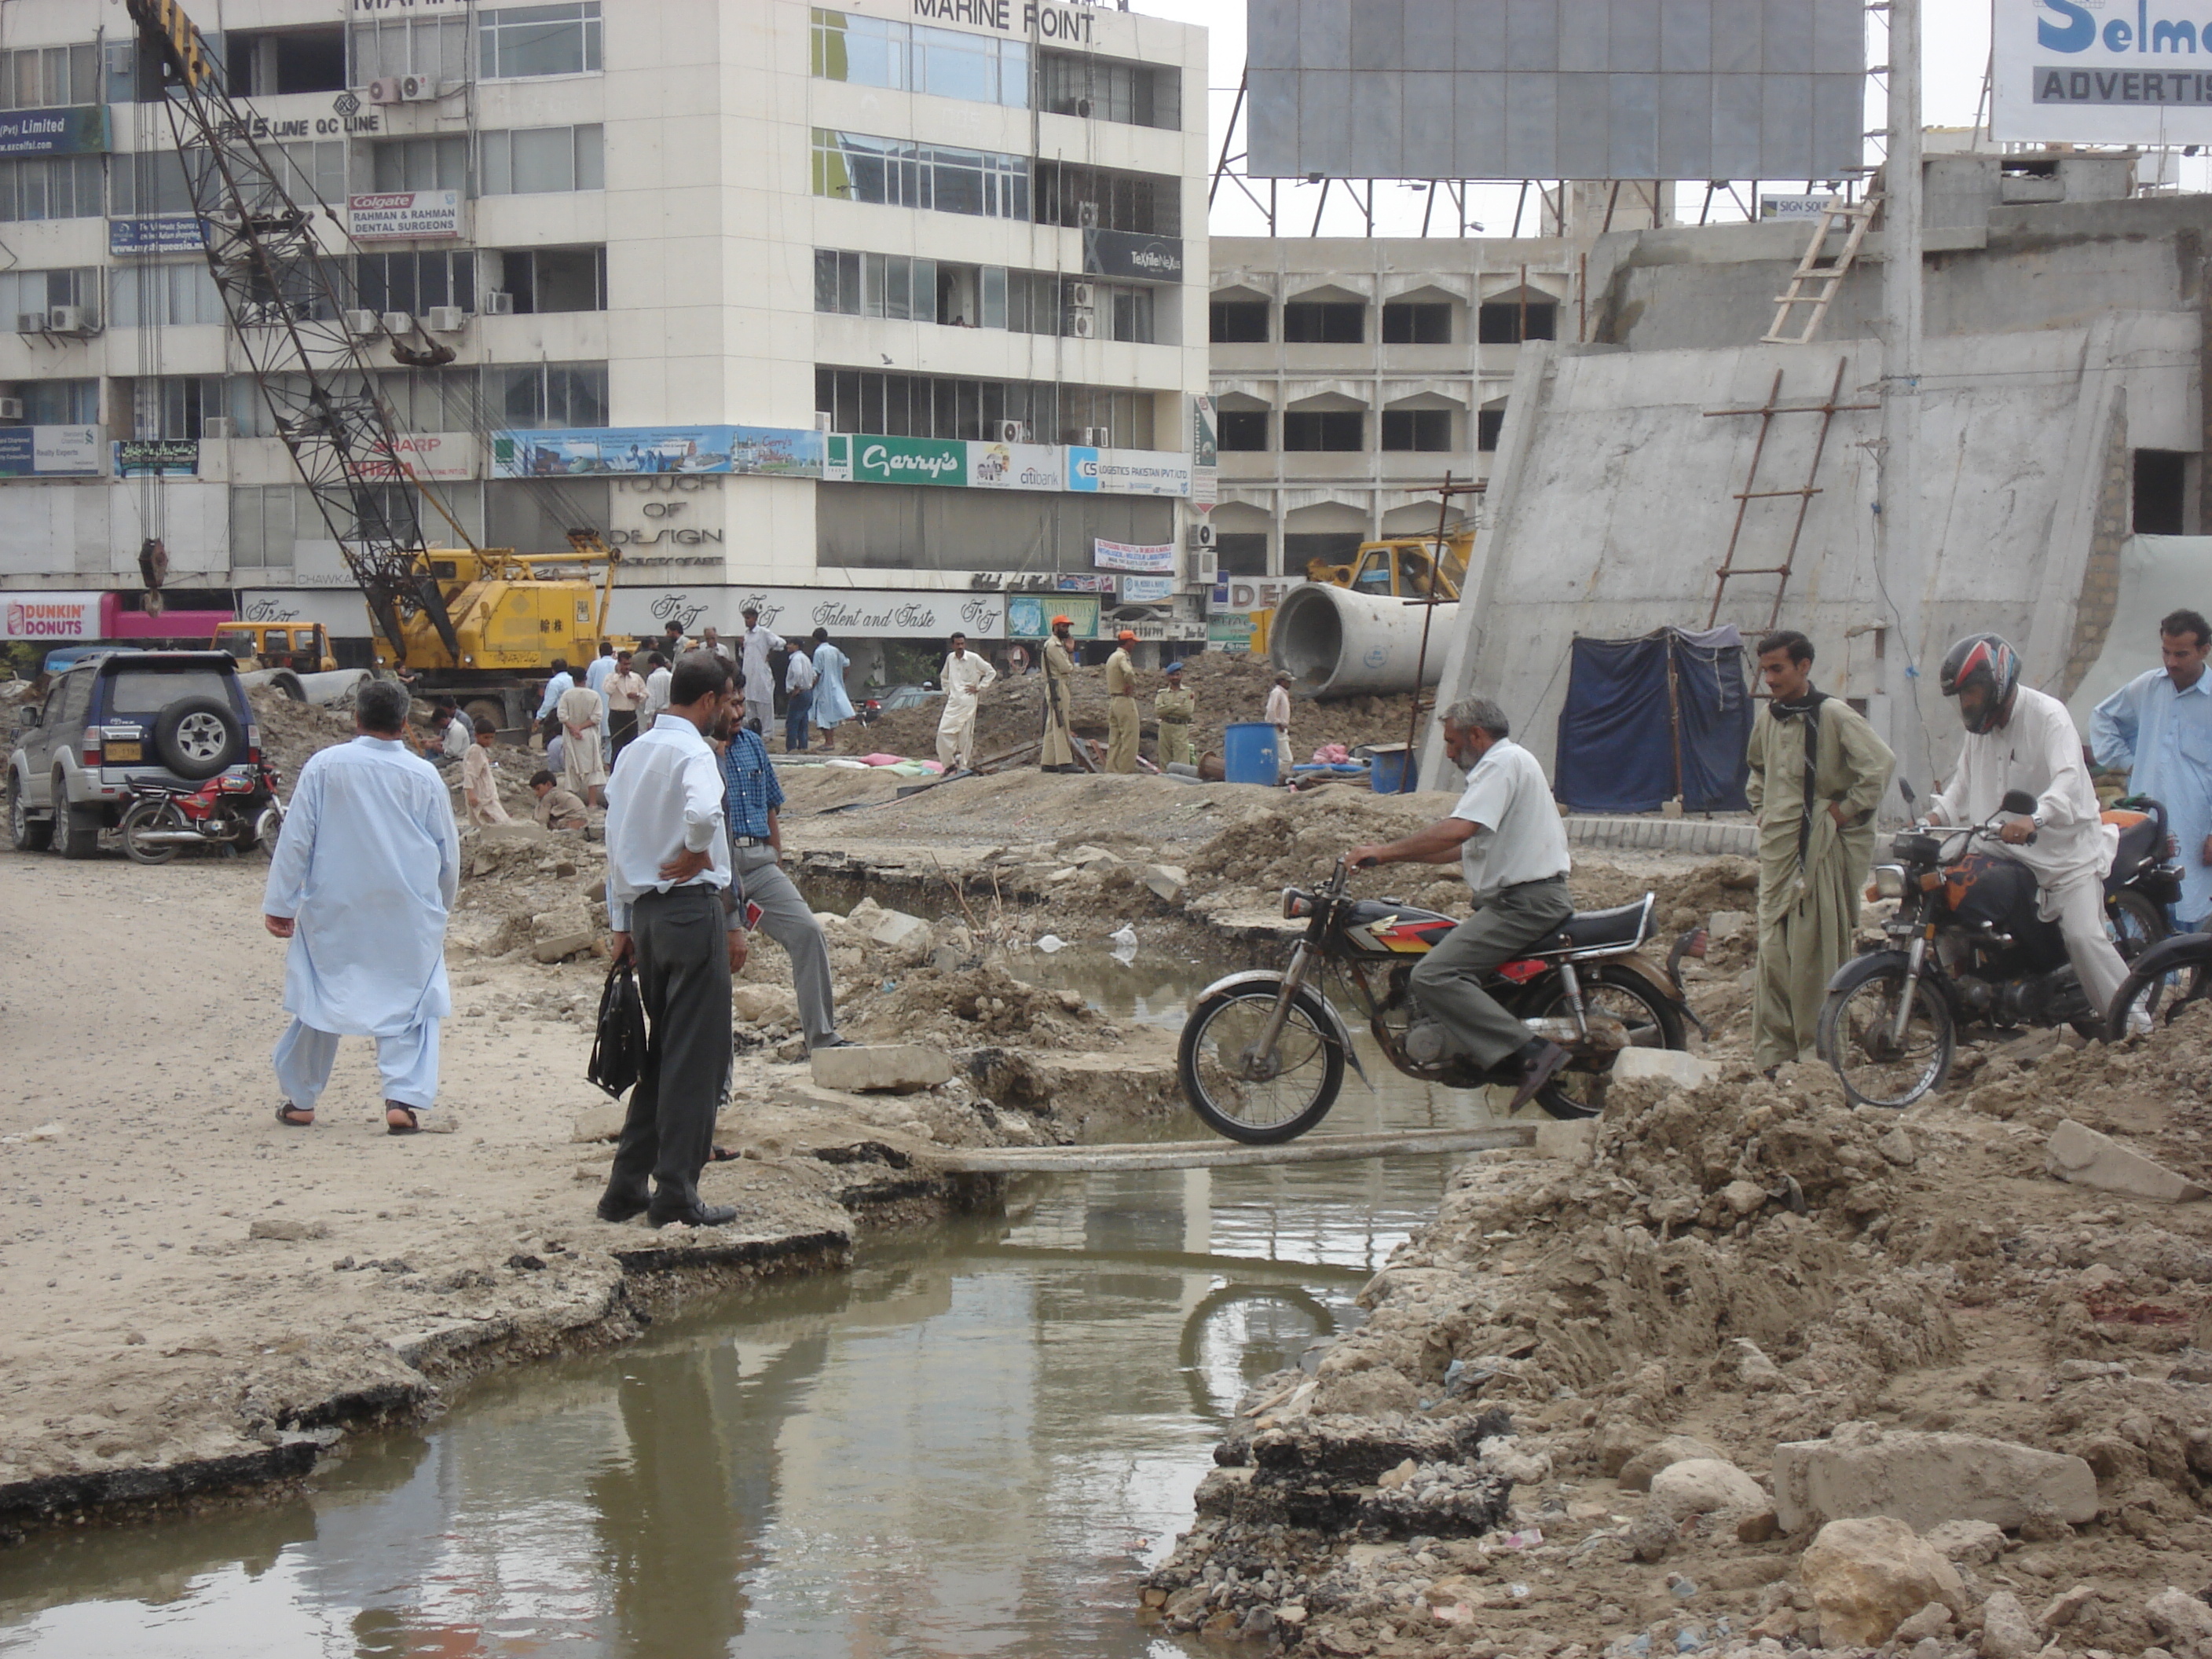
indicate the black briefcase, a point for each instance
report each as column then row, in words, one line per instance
column 618, row 1046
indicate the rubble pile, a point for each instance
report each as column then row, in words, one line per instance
column 969, row 1004
column 1786, row 1375
column 292, row 731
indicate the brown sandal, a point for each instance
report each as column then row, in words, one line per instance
column 284, row 1111
column 412, row 1126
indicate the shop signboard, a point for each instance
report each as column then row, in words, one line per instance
column 1029, row 616
column 439, row 457
column 51, row 451
column 343, row 616
column 157, row 458
column 1122, row 556
column 81, row 130
column 870, row 459
column 1205, row 455
column 1128, row 254
column 796, row 613
column 2090, row 72
column 50, row 615
column 1128, row 471
column 166, row 233
column 1230, row 630
column 404, row 215
column 1017, row 466
column 1147, row 590
column 622, row 450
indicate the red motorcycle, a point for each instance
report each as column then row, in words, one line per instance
column 236, row 810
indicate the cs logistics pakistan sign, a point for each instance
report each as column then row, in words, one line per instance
column 2101, row 71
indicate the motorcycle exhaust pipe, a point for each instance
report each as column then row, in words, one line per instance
column 176, row 838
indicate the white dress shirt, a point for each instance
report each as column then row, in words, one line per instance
column 666, row 798
column 757, row 642
column 1519, row 837
column 656, row 697
column 2039, row 751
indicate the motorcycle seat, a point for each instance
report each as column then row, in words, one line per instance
column 2141, row 842
column 1624, row 926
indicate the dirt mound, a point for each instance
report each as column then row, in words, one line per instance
column 293, row 731
column 973, row 1004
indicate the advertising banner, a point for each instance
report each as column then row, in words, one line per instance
column 1128, row 471
column 1125, row 253
column 1083, row 584
column 1017, row 466
column 1120, row 556
column 157, row 458
column 53, row 616
column 343, row 615
column 399, row 215
column 167, row 233
column 441, row 457
column 1230, row 630
column 80, row 130
column 2088, row 71
column 615, row 451
column 1146, row 590
column 862, row 458
column 796, row 613
column 1029, row 616
column 1205, row 455
column 1251, row 593
column 50, row 452
column 1792, row 207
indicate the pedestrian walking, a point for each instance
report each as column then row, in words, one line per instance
column 668, row 876
column 833, row 703
column 797, row 699
column 1817, row 771
column 558, row 808
column 759, row 681
column 582, row 769
column 562, row 682
column 479, row 783
column 1122, row 705
column 625, row 693
column 657, row 678
column 361, row 883
column 966, row 677
column 1174, row 707
column 753, row 802
column 597, row 676
column 1057, row 753
column 2158, row 729
column 1277, row 713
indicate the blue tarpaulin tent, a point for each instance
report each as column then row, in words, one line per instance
column 1650, row 720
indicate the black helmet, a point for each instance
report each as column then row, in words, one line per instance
column 1989, row 661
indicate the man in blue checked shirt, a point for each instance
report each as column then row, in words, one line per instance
column 2158, row 728
column 753, row 799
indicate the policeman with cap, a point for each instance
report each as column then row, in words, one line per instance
column 1174, row 708
column 1058, row 752
column 1121, row 706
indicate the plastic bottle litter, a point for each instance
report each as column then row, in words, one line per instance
column 1050, row 942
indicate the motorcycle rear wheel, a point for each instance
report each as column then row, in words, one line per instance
column 2180, row 976
column 1652, row 1021
column 1853, row 1035
column 1218, row 1079
column 144, row 816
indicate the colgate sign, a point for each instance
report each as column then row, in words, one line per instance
column 50, row 617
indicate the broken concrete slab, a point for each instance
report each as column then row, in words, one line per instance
column 894, row 930
column 2081, row 1155
column 514, row 832
column 1724, row 925
column 890, row 1067
column 1925, row 1479
column 1664, row 1065
column 561, row 946
column 757, row 1005
column 1166, row 881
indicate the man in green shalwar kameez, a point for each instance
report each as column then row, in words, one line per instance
column 1815, row 841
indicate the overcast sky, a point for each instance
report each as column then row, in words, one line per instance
column 1956, row 53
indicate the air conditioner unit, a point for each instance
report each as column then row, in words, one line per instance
column 397, row 322
column 1082, row 296
column 417, row 88
column 1098, row 437
column 1204, row 568
column 1013, row 432
column 384, row 90
column 11, row 409
column 361, row 322
column 824, row 421
column 71, row 319
column 216, row 428
column 30, row 322
column 447, row 319
column 1083, row 107
column 499, row 303
column 119, row 58
column 1086, row 214
column 1083, row 325
column 1201, row 533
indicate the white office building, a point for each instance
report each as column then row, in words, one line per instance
column 893, row 316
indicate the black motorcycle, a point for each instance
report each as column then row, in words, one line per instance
column 1965, row 947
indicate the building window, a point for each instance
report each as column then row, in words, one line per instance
column 1237, row 322
column 58, row 187
column 265, row 519
column 872, row 52
column 536, row 396
column 272, row 62
column 1300, row 553
column 1333, row 430
column 542, row 279
column 49, row 77
column 897, row 173
column 2160, row 493
column 1241, row 553
column 434, row 47
column 1312, row 322
column 536, row 161
column 1079, row 196
column 940, row 406
column 1243, row 430
column 516, row 42
column 1427, row 430
column 151, row 183
column 1509, row 322
column 26, row 294
column 59, row 403
column 1109, row 90
column 413, row 283
column 181, row 295
column 1411, row 323
column 1488, row 423
column 174, row 405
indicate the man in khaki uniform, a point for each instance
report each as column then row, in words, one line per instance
column 1058, row 753
column 1173, row 708
column 1122, row 707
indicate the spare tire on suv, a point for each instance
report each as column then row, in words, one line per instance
column 196, row 737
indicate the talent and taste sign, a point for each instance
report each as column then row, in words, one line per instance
column 796, row 613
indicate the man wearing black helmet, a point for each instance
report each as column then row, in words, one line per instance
column 2019, row 738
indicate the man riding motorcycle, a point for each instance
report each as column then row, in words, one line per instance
column 1506, row 833
column 2017, row 737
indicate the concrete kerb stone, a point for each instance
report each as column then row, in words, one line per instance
column 2081, row 1155
column 1925, row 1479
column 895, row 1067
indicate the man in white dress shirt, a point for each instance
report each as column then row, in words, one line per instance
column 965, row 677
column 760, row 684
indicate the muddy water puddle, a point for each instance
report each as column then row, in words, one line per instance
column 975, row 1442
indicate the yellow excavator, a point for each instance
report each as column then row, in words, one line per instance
column 1401, row 567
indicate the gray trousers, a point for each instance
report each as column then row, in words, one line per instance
column 787, row 918
column 1446, row 980
column 683, row 979
column 760, row 714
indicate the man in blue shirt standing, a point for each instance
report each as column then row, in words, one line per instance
column 754, row 797
column 548, row 724
column 2157, row 727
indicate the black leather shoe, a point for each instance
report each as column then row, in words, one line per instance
column 694, row 1215
column 1542, row 1066
column 833, row 1041
column 619, row 1210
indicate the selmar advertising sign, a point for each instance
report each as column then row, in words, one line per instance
column 2101, row 71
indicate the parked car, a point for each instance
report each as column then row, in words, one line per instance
column 126, row 719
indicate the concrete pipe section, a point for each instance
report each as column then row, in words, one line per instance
column 1336, row 643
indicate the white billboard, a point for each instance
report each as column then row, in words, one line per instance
column 2100, row 71
column 395, row 215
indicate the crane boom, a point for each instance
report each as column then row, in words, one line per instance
column 285, row 299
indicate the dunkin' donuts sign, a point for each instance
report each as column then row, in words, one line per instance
column 50, row 617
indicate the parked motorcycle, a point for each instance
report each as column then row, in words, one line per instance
column 1263, row 1055
column 2162, row 981
column 1965, row 946
column 236, row 810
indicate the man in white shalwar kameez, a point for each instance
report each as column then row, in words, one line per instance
column 965, row 677
column 361, row 883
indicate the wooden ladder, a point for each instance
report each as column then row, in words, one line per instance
column 1812, row 275
column 1728, row 568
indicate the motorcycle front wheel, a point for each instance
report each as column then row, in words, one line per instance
column 149, row 816
column 2174, row 969
column 1261, row 1101
column 1856, row 1022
